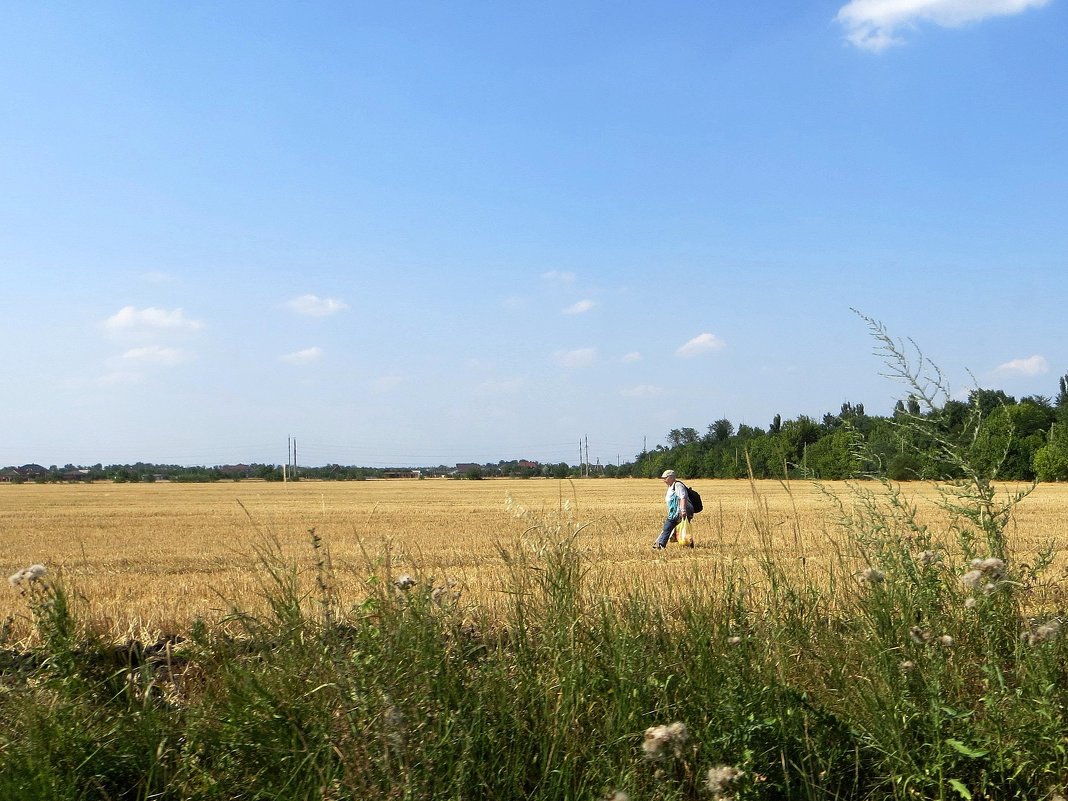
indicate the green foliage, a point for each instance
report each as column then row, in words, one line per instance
column 1051, row 460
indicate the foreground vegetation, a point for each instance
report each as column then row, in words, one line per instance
column 917, row 662
column 915, row 673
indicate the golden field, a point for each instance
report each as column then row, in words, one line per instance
column 149, row 558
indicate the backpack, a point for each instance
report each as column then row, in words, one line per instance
column 696, row 503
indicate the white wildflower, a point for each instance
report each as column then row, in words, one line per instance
column 1048, row 631
column 928, row 557
column 735, row 640
column 918, row 635
column 404, row 582
column 946, row 641
column 970, row 603
column 908, row 666
column 28, row 575
column 972, row 579
column 872, row 575
column 991, row 566
column 617, row 795
column 661, row 739
column 720, row 779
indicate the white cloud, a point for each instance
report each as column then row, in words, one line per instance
column 315, row 306
column 156, row 355
column 306, row 356
column 643, row 391
column 581, row 357
column 1032, row 365
column 702, row 343
column 559, row 277
column 633, row 356
column 877, row 24
column 580, row 307
column 130, row 320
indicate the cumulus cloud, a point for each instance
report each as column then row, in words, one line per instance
column 643, row 391
column 633, row 356
column 877, row 24
column 156, row 355
column 580, row 307
column 131, row 320
column 306, row 356
column 315, row 306
column 1032, row 365
column 702, row 343
column 580, row 357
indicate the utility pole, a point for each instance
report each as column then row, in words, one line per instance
column 587, row 457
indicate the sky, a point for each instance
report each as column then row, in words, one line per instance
column 428, row 233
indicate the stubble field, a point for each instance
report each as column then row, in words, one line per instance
column 144, row 559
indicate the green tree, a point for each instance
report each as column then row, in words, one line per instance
column 721, row 430
column 831, row 457
column 1051, row 460
column 1061, row 403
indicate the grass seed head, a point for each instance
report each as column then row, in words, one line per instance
column 661, row 740
column 919, row 635
column 928, row 557
column 871, row 575
column 720, row 780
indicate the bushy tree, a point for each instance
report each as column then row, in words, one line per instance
column 1051, row 460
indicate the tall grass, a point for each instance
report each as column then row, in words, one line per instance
column 886, row 678
column 916, row 664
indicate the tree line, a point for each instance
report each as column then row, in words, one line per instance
column 1022, row 440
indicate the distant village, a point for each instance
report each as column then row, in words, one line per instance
column 147, row 472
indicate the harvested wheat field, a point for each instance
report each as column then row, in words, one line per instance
column 148, row 558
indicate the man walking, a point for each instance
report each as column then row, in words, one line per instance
column 678, row 508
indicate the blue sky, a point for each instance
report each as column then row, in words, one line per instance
column 422, row 233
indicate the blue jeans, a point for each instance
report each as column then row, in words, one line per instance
column 665, row 535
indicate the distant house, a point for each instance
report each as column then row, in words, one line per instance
column 28, row 472
column 402, row 474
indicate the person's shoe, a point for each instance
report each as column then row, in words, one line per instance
column 657, row 547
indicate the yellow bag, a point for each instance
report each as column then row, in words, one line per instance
column 683, row 533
